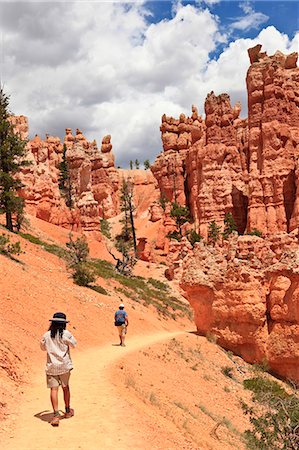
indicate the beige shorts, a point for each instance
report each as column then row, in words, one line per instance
column 54, row 381
column 122, row 330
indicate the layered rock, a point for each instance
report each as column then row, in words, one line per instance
column 273, row 116
column 246, row 293
column 177, row 135
column 216, row 170
column 246, row 167
column 94, row 181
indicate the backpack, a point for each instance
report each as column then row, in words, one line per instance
column 120, row 318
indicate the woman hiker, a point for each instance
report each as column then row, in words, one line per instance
column 57, row 342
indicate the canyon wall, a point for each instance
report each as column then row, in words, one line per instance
column 244, row 290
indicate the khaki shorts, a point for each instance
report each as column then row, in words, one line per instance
column 54, row 381
column 122, row 330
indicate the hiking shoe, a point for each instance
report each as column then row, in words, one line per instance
column 69, row 414
column 123, row 345
column 55, row 421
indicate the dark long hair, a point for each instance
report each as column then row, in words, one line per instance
column 56, row 327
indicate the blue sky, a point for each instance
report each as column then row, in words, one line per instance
column 115, row 68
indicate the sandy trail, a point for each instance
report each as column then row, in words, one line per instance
column 102, row 419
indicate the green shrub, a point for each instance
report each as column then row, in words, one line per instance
column 255, row 232
column 99, row 289
column 78, row 251
column 274, row 417
column 158, row 284
column 174, row 235
column 83, row 275
column 7, row 248
column 194, row 237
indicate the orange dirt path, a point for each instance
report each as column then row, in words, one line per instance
column 102, row 419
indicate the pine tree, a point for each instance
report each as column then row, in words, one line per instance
column 146, row 164
column 12, row 154
column 65, row 184
column 180, row 214
column 127, row 237
column 131, row 164
column 229, row 225
column 137, row 164
column 213, row 232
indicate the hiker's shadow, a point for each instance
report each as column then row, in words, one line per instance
column 45, row 416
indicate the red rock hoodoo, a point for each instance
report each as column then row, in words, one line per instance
column 93, row 177
column 243, row 290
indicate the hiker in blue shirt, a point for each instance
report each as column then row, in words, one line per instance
column 121, row 322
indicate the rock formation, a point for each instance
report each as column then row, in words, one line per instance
column 225, row 164
column 178, row 135
column 246, row 293
column 93, row 178
column 245, row 290
column 273, row 118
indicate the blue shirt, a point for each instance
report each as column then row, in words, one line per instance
column 120, row 316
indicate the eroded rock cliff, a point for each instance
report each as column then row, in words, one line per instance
column 245, row 290
column 246, row 293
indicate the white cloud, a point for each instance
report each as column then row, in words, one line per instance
column 102, row 67
column 251, row 19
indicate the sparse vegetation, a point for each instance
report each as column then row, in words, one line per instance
column 194, row 237
column 180, row 214
column 227, row 371
column 213, row 233
column 274, row 416
column 255, row 232
column 211, row 337
column 174, row 235
column 146, row 164
column 229, row 225
column 83, row 275
column 149, row 292
column 105, row 228
column 7, row 248
column 158, row 284
column 50, row 248
column 99, row 289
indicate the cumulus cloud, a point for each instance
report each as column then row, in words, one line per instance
column 106, row 69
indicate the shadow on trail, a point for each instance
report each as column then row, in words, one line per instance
column 45, row 416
